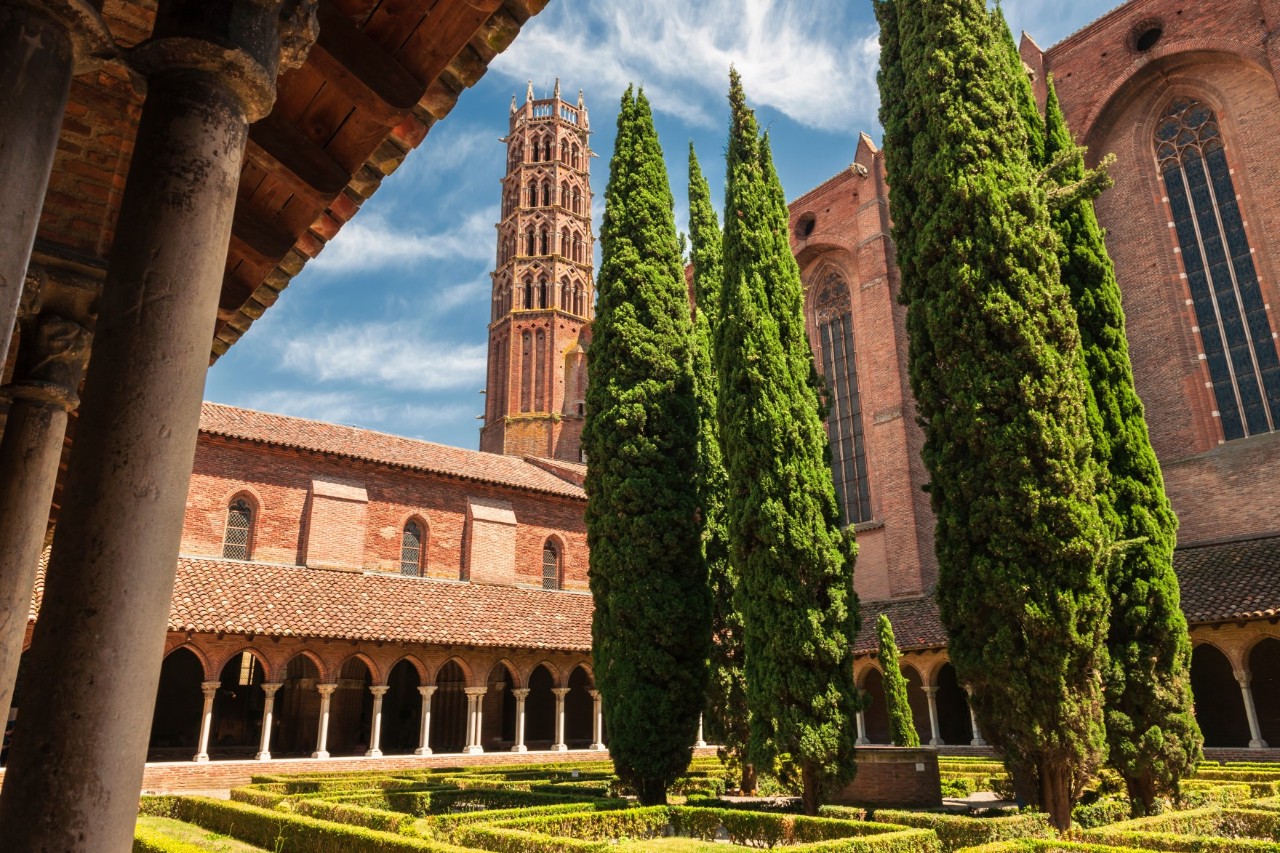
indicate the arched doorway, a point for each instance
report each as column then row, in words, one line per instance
column 876, row 716
column 953, row 708
column 401, row 710
column 540, row 710
column 1219, row 705
column 498, row 714
column 449, row 710
column 297, row 710
column 175, row 722
column 919, row 704
column 579, row 708
column 1264, row 666
column 351, row 710
column 237, row 709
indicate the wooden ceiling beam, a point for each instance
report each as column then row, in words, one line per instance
column 362, row 69
column 278, row 148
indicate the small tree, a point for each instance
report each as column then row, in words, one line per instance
column 651, row 627
column 902, row 726
column 796, row 597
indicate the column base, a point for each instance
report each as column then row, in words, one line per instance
column 201, row 757
column 559, row 747
column 599, row 747
column 519, row 748
column 263, row 756
column 373, row 753
column 977, row 742
column 473, row 750
column 937, row 741
column 861, row 742
column 1258, row 744
column 422, row 750
column 697, row 744
column 320, row 753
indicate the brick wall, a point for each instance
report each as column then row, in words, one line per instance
column 894, row 776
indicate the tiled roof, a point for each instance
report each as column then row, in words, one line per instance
column 916, row 624
column 1228, row 581
column 379, row 447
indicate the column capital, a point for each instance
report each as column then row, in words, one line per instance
column 270, row 687
column 379, row 689
column 426, row 690
column 326, row 689
column 930, row 689
column 209, row 688
column 91, row 40
column 51, row 360
column 560, row 692
column 1243, row 677
column 594, row 694
column 476, row 691
column 521, row 693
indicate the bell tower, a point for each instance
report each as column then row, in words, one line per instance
column 543, row 289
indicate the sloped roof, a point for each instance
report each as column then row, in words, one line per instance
column 1229, row 581
column 383, row 448
column 916, row 624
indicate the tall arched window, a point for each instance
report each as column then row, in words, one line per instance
column 239, row 531
column 412, row 549
column 575, row 156
column 546, row 193
column 577, row 200
column 550, row 566
column 533, row 194
column 526, row 371
column 529, row 242
column 564, row 193
column 542, row 293
column 577, row 247
column 564, row 151
column 564, row 242
column 565, row 293
column 546, row 149
column 1231, row 314
column 537, row 150
column 545, row 243
column 833, row 314
column 540, row 371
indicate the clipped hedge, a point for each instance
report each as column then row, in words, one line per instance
column 1108, row 810
column 1211, row 830
column 148, row 839
column 436, row 800
column 1030, row 845
column 355, row 815
column 447, row 825
column 958, row 831
column 1194, row 795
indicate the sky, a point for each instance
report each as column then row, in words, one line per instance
column 387, row 329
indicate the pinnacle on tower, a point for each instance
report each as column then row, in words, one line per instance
column 528, row 95
column 556, row 93
column 581, row 104
column 513, row 102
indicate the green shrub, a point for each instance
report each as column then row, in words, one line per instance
column 1210, row 829
column 446, row 826
column 255, row 796
column 1194, row 795
column 148, row 839
column 1270, row 804
column 1101, row 812
column 1029, row 845
column 958, row 787
column 355, row 815
column 957, row 831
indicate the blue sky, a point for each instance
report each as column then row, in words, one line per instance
column 387, row 329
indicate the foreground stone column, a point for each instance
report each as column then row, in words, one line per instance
column 264, row 748
column 76, row 765
column 862, row 730
column 597, row 724
column 521, row 695
column 560, row 745
column 50, row 362
column 210, row 689
column 424, row 732
column 322, row 735
column 475, row 711
column 931, row 693
column 375, row 730
column 973, row 725
column 699, row 742
column 1244, row 678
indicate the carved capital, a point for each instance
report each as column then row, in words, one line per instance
column 427, row 691
column 379, row 689
column 32, row 293
column 521, row 693
column 326, row 690
column 51, row 360
column 299, row 28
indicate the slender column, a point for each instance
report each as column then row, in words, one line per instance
column 697, row 743
column 560, row 745
column 210, row 689
column 424, row 732
column 475, row 711
column 521, row 695
column 597, row 723
column 50, row 361
column 1243, row 677
column 264, row 749
column 973, row 724
column 78, row 755
column 322, row 736
column 375, row 731
column 931, row 693
column 862, row 730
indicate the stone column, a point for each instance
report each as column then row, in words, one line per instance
column 931, row 692
column 597, row 723
column 375, row 731
column 1243, row 677
column 322, row 736
column 862, row 730
column 521, row 695
column 47, row 375
column 973, row 724
column 210, row 689
column 697, row 743
column 475, row 720
column 264, row 749
column 560, row 745
column 424, row 732
column 76, row 766
column 41, row 43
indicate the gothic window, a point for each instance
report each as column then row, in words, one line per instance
column 550, row 566
column 526, row 371
column 545, row 242
column 1238, row 345
column 529, row 244
column 564, row 193
column 542, row 293
column 575, row 157
column 565, row 293
column 540, row 373
column 412, row 548
column 528, row 293
column 564, row 151
column 833, row 314
column 577, row 300
column 546, row 193
column 236, row 538
column 537, row 150
column 577, row 247
column 546, row 149
column 533, row 194
column 564, row 242
column 577, row 201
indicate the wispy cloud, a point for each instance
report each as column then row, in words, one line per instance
column 1050, row 21
column 375, row 242
column 797, row 58
column 360, row 409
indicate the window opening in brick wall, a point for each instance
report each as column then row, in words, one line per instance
column 1234, row 330
column 550, row 566
column 411, row 542
column 235, row 540
column 834, row 315
column 247, row 665
column 526, row 371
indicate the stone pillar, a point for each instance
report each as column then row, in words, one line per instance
column 973, row 724
column 47, row 375
column 597, row 723
column 862, row 729
column 1243, row 677
column 264, row 748
column 521, row 695
column 424, row 732
column 76, row 766
column 931, row 692
column 697, row 743
column 560, row 745
column 322, row 736
column 41, row 43
column 475, row 720
column 375, row 731
column 210, row 689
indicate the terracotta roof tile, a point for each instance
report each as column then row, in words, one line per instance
column 916, row 624
column 370, row 446
column 1229, row 581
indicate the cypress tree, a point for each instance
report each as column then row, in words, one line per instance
column 795, row 594
column 1151, row 728
column 727, row 694
column 902, row 727
column 651, row 628
column 994, row 351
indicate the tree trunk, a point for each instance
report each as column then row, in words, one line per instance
column 748, row 786
column 651, row 792
column 1142, row 794
column 1055, row 796
column 1026, row 786
column 812, row 794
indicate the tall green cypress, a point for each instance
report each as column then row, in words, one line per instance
column 651, row 628
column 726, row 696
column 795, row 593
column 902, row 727
column 1151, row 728
column 994, row 350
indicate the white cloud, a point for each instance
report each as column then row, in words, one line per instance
column 1050, row 21
column 797, row 58
column 360, row 409
column 373, row 242
column 464, row 293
